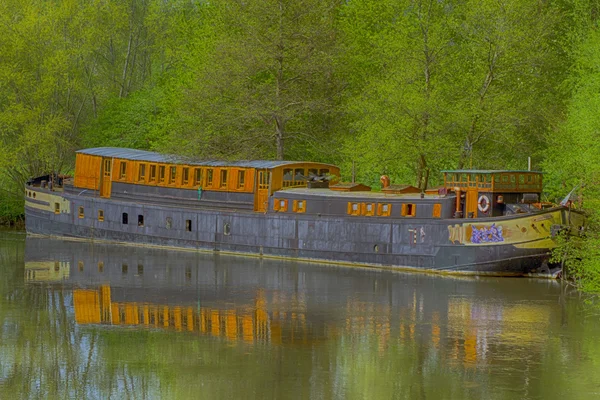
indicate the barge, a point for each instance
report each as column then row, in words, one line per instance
column 480, row 222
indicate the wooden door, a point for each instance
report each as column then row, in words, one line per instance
column 471, row 206
column 261, row 199
column 105, row 178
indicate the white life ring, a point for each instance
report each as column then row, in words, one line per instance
column 483, row 204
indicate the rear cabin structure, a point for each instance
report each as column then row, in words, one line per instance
column 140, row 175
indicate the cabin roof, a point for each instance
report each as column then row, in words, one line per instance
column 488, row 171
column 151, row 156
column 365, row 195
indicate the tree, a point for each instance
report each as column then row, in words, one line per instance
column 267, row 90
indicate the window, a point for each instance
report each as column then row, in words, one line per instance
column 161, row 173
column 140, row 269
column 152, row 176
column 142, row 173
column 100, row 266
column 313, row 172
column 437, row 210
column 521, row 179
column 56, row 208
column 409, row 210
column 140, row 220
column 299, row 176
column 107, row 165
column 188, row 225
column 299, row 206
column 185, row 176
column 124, row 269
column 384, row 210
column 209, row 177
column 101, row 215
column 169, row 223
column 324, row 171
column 125, row 218
column 369, row 209
column 80, row 266
column 172, row 175
column 197, row 176
column 288, row 177
column 223, row 179
column 280, row 205
column 123, row 170
column 80, row 213
column 241, row 179
column 353, row 208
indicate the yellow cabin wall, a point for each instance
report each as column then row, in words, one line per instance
column 87, row 171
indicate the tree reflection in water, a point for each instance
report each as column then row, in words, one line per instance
column 76, row 323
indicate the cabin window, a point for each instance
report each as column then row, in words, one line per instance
column 169, row 223
column 227, row 228
column 263, row 179
column 197, row 176
column 107, row 167
column 409, row 210
column 152, row 176
column 496, row 178
column 124, row 269
column 437, row 210
column 504, row 178
column 100, row 266
column 369, row 209
column 125, row 218
column 384, row 210
column 529, row 178
column 299, row 178
column 80, row 266
column 56, row 208
column 209, row 177
column 313, row 172
column 188, row 225
column 140, row 269
column 324, row 171
column 299, row 206
column 101, row 215
column 521, row 179
column 161, row 173
column 142, row 173
column 223, row 180
column 241, row 179
column 185, row 176
column 513, row 179
column 172, row 175
column 140, row 220
column 288, row 177
column 353, row 208
column 123, row 170
column 80, row 214
column 280, row 205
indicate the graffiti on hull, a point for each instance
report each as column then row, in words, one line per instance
column 487, row 234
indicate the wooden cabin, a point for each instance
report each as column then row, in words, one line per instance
column 99, row 168
column 486, row 192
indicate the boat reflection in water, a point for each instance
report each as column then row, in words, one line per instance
column 264, row 301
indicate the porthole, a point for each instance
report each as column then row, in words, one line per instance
column 376, row 248
column 227, row 229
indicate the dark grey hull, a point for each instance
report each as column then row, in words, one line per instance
column 354, row 240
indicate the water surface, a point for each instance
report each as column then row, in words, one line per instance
column 96, row 321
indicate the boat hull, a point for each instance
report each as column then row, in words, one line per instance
column 430, row 245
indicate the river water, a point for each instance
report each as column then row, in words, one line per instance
column 99, row 321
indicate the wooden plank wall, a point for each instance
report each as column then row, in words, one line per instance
column 87, row 171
